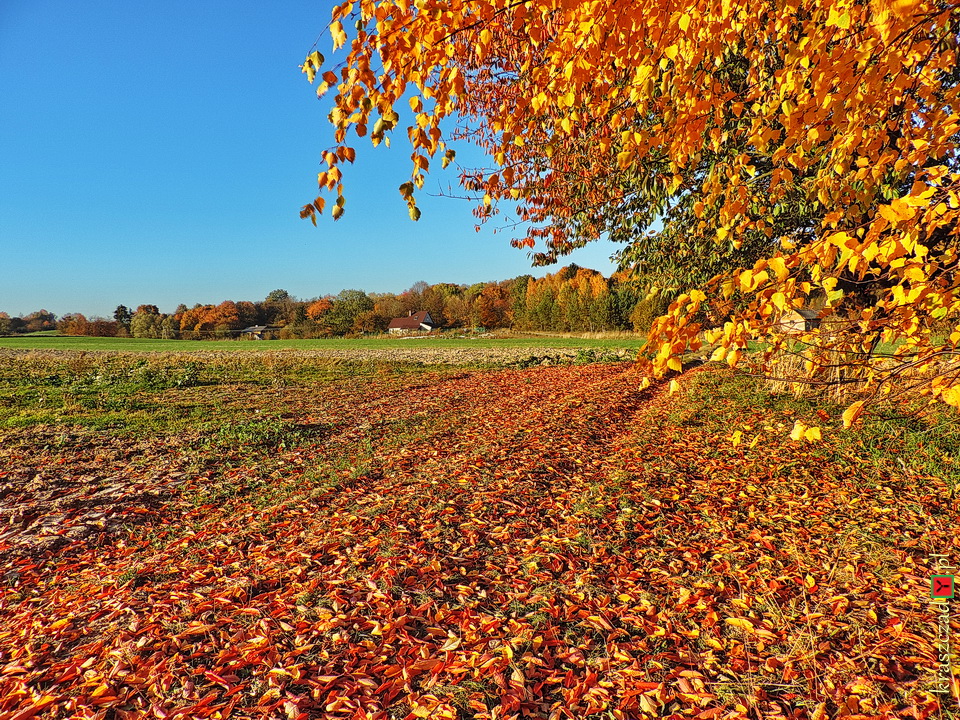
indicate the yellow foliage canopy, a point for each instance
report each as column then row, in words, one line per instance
column 843, row 100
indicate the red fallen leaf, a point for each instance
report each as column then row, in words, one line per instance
column 67, row 675
column 36, row 707
column 213, row 677
column 207, row 699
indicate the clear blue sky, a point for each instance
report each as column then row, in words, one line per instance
column 160, row 152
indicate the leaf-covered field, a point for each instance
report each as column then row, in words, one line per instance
column 255, row 538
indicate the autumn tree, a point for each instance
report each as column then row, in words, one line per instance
column 278, row 296
column 494, row 306
column 205, row 321
column 39, row 321
column 543, row 312
column 387, row 304
column 247, row 313
column 793, row 152
column 318, row 308
column 73, row 324
column 146, row 322
column 518, row 300
column 433, row 300
column 278, row 308
column 369, row 322
column 458, row 309
column 169, row 327
column 101, row 327
column 347, row 306
column 122, row 315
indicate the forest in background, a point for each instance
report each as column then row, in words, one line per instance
column 573, row 299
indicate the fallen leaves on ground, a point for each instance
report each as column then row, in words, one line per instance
column 489, row 544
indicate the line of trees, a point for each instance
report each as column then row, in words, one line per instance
column 573, row 299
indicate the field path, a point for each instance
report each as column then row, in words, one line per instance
column 538, row 543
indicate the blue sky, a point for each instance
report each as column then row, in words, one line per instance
column 159, row 153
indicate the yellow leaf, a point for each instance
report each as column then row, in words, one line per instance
column 674, row 387
column 451, row 644
column 735, row 439
column 798, row 430
column 904, row 8
column 851, row 414
column 719, row 354
column 779, row 267
column 422, row 711
column 812, row 434
column 648, row 706
column 887, row 212
column 684, row 22
column 896, row 211
column 675, row 364
column 741, row 623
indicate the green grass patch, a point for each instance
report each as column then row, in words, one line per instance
column 891, row 437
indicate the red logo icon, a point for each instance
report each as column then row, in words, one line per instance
column 941, row 587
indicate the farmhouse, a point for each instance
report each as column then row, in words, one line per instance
column 259, row 332
column 799, row 321
column 414, row 322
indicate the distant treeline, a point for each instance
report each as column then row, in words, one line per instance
column 574, row 299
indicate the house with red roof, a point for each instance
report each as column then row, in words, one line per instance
column 413, row 323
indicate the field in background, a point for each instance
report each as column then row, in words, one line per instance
column 544, row 340
column 256, row 534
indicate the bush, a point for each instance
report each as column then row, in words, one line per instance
column 646, row 311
